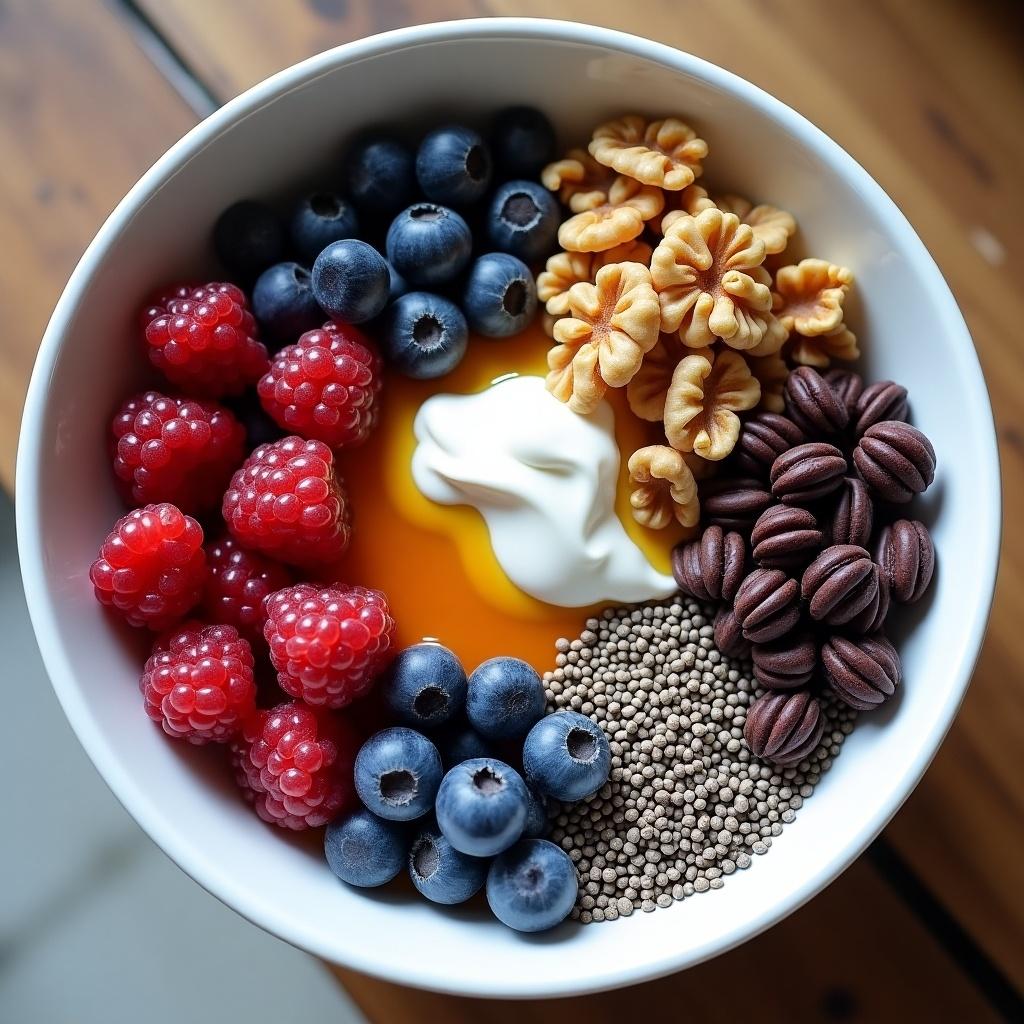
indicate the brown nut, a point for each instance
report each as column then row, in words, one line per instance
column 813, row 405
column 862, row 673
column 906, row 556
column 873, row 617
column 763, row 438
column 729, row 638
column 785, row 537
column 666, row 153
column 847, row 384
column 881, row 401
column 839, row 584
column 807, row 472
column 710, row 568
column 734, row 504
column 895, row 460
column 767, row 605
column 787, row 663
column 854, row 514
column 784, row 727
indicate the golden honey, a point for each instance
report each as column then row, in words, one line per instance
column 435, row 562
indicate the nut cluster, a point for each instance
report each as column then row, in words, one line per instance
column 687, row 803
column 805, row 526
column 698, row 329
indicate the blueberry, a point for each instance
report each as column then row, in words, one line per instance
column 317, row 221
column 351, row 281
column 429, row 244
column 442, row 873
column 481, row 806
column 567, row 756
column 524, row 220
column 424, row 336
column 536, row 826
column 248, row 237
column 500, row 297
column 425, row 686
column 522, row 141
column 397, row 773
column 505, row 697
column 453, row 166
column 533, row 886
column 381, row 174
column 284, row 304
column 397, row 285
column 365, row 850
column 459, row 742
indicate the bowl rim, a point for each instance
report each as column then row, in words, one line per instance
column 174, row 841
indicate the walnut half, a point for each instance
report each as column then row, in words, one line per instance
column 706, row 392
column 666, row 153
column 664, row 488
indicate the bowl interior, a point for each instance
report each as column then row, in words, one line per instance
column 290, row 130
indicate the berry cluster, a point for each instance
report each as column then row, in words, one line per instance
column 480, row 824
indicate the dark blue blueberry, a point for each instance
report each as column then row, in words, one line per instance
column 423, row 336
column 442, row 873
column 481, row 806
column 522, row 141
column 381, row 174
column 536, row 826
column 317, row 221
column 284, row 305
column 351, row 281
column 500, row 297
column 459, row 742
column 397, row 773
column 248, row 237
column 397, row 285
column 523, row 219
column 566, row 756
column 425, row 686
column 365, row 850
column 505, row 697
column 429, row 244
column 533, row 886
column 453, row 166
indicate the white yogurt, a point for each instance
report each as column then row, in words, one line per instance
column 544, row 479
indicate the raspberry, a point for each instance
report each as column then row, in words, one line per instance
column 325, row 386
column 181, row 450
column 152, row 566
column 198, row 683
column 237, row 583
column 294, row 765
column 205, row 341
column 328, row 644
column 286, row 502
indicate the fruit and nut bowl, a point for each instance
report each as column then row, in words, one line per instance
column 510, row 510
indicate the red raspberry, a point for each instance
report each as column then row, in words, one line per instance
column 294, row 765
column 152, row 566
column 237, row 583
column 206, row 342
column 328, row 644
column 325, row 386
column 286, row 502
column 198, row 683
column 181, row 450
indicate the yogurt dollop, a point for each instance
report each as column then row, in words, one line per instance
column 544, row 479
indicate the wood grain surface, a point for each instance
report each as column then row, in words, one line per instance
column 929, row 96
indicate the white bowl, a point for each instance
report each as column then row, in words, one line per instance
column 279, row 132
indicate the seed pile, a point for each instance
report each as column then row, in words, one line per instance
column 686, row 803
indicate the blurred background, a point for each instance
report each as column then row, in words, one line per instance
column 96, row 925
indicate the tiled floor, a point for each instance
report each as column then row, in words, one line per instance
column 96, row 925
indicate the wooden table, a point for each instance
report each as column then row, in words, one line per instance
column 929, row 96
